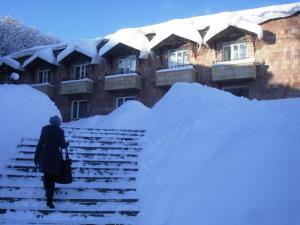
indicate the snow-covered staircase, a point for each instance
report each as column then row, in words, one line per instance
column 104, row 187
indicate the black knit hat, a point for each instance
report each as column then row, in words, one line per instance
column 55, row 120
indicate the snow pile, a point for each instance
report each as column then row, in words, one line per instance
column 224, row 20
column 9, row 61
column 213, row 158
column 24, row 111
column 31, row 51
column 177, row 27
column 130, row 115
column 44, row 54
column 245, row 19
column 130, row 37
column 87, row 47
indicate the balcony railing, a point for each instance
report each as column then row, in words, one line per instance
column 82, row 86
column 123, row 82
column 46, row 88
column 169, row 76
column 234, row 70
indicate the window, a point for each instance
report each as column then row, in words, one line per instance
column 79, row 109
column 127, row 64
column 43, row 76
column 234, row 51
column 178, row 58
column 238, row 91
column 82, row 71
column 121, row 100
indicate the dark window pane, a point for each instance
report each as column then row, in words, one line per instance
column 77, row 73
column 227, row 53
column 88, row 70
column 40, row 77
column 119, row 102
column 75, row 109
column 240, row 92
column 82, row 109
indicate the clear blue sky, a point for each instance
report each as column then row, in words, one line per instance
column 73, row 19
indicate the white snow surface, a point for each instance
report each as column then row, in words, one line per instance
column 213, row 158
column 44, row 54
column 121, row 75
column 130, row 37
column 179, row 28
column 24, row 111
column 31, row 51
column 245, row 19
column 130, row 115
column 87, row 47
column 9, row 61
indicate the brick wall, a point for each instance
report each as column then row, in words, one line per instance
column 277, row 56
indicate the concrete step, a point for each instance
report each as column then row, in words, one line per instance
column 92, row 148
column 69, row 215
column 85, row 155
column 77, row 170
column 68, row 192
column 107, row 130
column 86, row 179
column 89, row 150
column 37, row 203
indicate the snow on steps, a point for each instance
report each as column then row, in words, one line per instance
column 103, row 192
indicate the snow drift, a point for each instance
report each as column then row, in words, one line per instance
column 130, row 115
column 24, row 111
column 213, row 158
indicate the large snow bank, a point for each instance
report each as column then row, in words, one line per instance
column 24, row 111
column 87, row 47
column 213, row 158
column 130, row 115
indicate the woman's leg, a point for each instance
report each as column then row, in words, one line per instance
column 49, row 185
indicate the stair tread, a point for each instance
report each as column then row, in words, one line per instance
column 104, row 167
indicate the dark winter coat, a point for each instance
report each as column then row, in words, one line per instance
column 48, row 153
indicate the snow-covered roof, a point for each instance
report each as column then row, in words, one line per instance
column 87, row 47
column 177, row 27
column 130, row 37
column 31, row 51
column 188, row 28
column 44, row 54
column 9, row 61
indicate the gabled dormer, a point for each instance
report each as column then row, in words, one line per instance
column 175, row 60
column 233, row 53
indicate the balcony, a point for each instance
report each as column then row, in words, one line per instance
column 123, row 82
column 70, row 87
column 167, row 77
column 46, row 88
column 244, row 69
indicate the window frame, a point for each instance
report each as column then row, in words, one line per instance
column 72, row 108
column 231, row 45
column 124, row 99
column 129, row 58
column 82, row 68
column 45, row 76
column 176, row 51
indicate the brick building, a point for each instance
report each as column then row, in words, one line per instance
column 251, row 53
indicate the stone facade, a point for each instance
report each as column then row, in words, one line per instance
column 274, row 73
